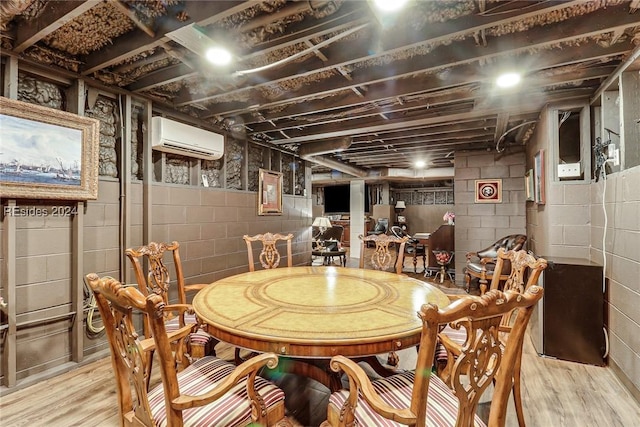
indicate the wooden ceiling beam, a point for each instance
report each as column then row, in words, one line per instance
column 137, row 41
column 54, row 15
column 516, row 103
column 342, row 53
column 572, row 77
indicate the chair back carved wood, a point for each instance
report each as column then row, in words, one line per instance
column 525, row 269
column 269, row 256
column 482, row 361
column 158, row 280
column 118, row 304
column 382, row 257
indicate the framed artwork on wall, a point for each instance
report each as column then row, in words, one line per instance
column 538, row 177
column 488, row 190
column 528, row 185
column 47, row 153
column 269, row 192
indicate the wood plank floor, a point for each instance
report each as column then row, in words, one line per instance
column 555, row 393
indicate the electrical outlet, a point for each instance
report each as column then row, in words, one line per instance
column 616, row 157
column 569, row 170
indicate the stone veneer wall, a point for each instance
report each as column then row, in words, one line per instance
column 478, row 225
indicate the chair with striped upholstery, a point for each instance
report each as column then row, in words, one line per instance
column 209, row 392
column 524, row 271
column 269, row 256
column 419, row 397
column 200, row 343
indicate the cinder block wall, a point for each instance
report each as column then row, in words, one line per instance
column 478, row 225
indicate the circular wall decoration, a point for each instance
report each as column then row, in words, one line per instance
column 488, row 191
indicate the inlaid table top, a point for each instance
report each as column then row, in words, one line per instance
column 317, row 311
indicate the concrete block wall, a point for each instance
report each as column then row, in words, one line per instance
column 478, row 225
column 622, row 267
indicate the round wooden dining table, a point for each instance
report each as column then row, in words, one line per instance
column 317, row 311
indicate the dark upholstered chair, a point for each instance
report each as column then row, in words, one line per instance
column 330, row 238
column 413, row 247
column 381, row 227
column 480, row 265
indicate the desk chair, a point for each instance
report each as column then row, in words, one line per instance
column 381, row 227
column 269, row 256
column 525, row 269
column 209, row 390
column 419, row 397
column 413, row 247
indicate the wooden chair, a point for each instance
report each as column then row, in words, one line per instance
column 383, row 255
column 210, row 390
column 481, row 264
column 525, row 269
column 419, row 398
column 269, row 256
column 158, row 280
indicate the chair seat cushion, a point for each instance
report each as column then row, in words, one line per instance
column 233, row 409
column 442, row 405
column 476, row 267
column 458, row 336
column 199, row 337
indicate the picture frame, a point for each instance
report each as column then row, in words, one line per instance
column 538, row 177
column 488, row 190
column 47, row 153
column 528, row 186
column 269, row 192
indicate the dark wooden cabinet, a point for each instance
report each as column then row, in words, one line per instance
column 569, row 323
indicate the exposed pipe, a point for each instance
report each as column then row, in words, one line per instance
column 325, row 147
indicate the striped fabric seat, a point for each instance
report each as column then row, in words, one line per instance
column 200, row 341
column 458, row 336
column 233, row 409
column 442, row 405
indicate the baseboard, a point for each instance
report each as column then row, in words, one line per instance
column 628, row 384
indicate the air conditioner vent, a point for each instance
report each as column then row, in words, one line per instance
column 178, row 138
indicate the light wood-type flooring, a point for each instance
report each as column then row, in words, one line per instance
column 555, row 393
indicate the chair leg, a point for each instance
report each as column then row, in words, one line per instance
column 517, row 392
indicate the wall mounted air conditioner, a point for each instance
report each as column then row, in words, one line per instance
column 177, row 138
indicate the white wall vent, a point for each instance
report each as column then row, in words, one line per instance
column 177, row 138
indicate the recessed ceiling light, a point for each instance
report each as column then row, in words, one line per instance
column 420, row 164
column 390, row 5
column 508, row 80
column 218, row 56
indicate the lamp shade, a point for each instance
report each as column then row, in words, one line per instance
column 321, row 221
column 400, row 204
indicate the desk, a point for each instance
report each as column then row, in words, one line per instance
column 328, row 255
column 317, row 312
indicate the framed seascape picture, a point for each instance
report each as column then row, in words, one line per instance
column 488, row 190
column 538, row 177
column 269, row 192
column 528, row 185
column 47, row 153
